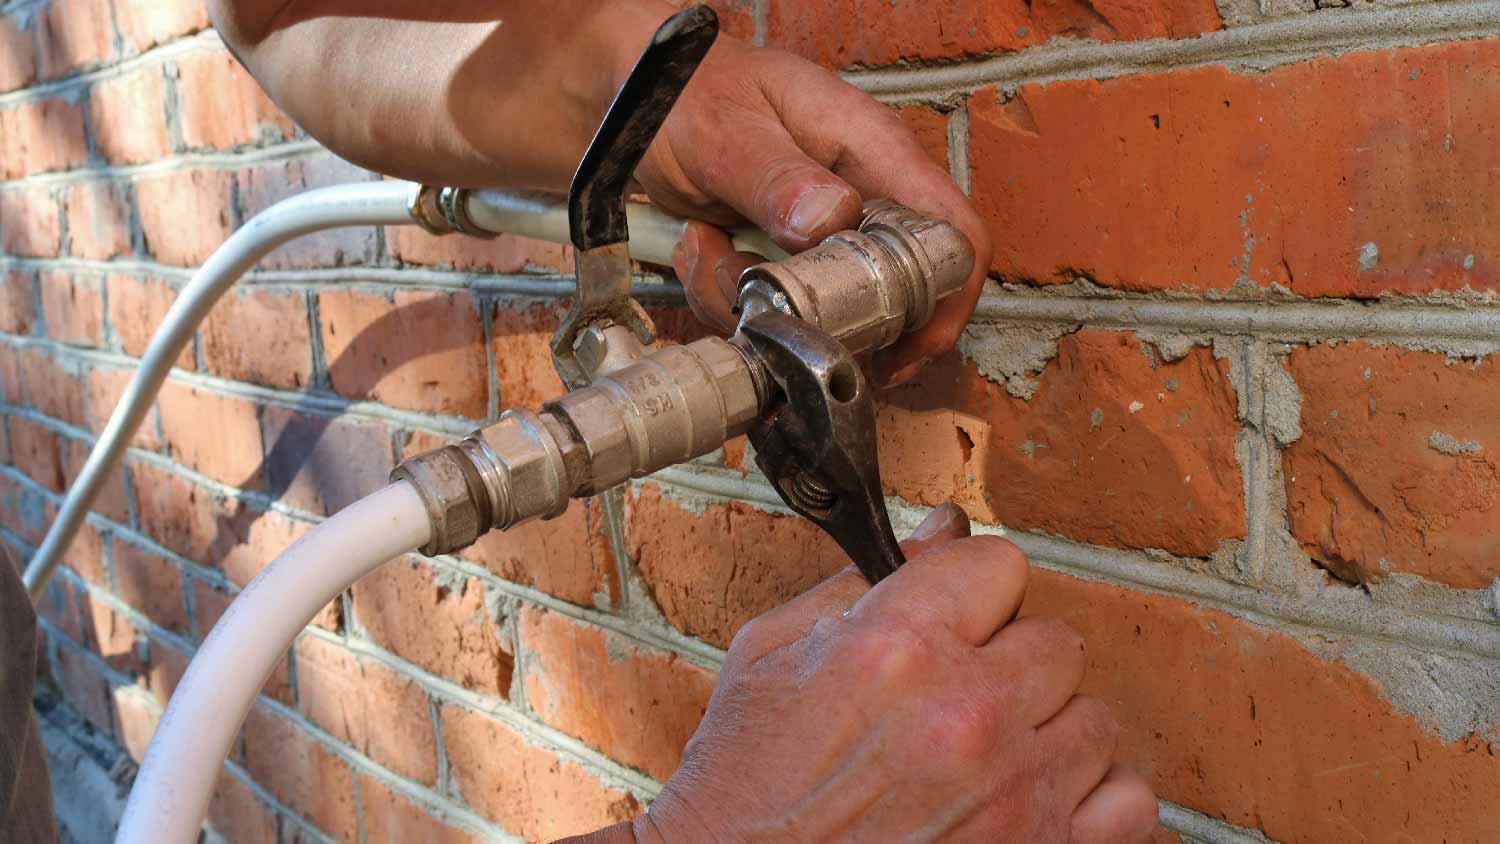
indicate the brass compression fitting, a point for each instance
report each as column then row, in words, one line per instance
column 645, row 412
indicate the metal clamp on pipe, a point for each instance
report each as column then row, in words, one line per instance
column 787, row 378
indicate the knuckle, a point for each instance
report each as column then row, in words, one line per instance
column 751, row 640
column 1097, row 723
column 956, row 733
column 1000, row 553
column 886, row 653
column 1059, row 639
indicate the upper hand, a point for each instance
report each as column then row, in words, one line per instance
column 763, row 136
column 917, row 711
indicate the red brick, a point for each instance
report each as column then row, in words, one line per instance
column 23, row 510
column 301, row 773
column 1398, row 469
column 30, row 222
column 17, row 54
column 143, row 25
column 50, row 388
column 185, row 214
column 221, row 106
column 368, row 706
column 391, row 817
column 110, row 501
column 411, row 349
column 445, row 628
column 520, row 341
column 635, row 705
column 253, row 541
column 34, row 449
column 59, row 605
column 72, row 34
column 1405, row 175
column 568, row 557
column 85, row 554
column 128, row 117
column 10, row 373
column 1116, row 447
column 259, row 335
column 17, row 302
column 847, row 33
column 713, row 572
column 137, row 307
column 98, row 215
column 210, row 433
column 162, row 670
column 528, row 790
column 323, row 464
column 503, row 254
column 931, row 129
column 175, row 512
column 135, row 721
column 40, row 136
column 84, row 687
column 110, row 635
column 102, row 390
column 1244, row 724
column 72, row 308
column 264, row 185
column 236, row 813
column 152, row 584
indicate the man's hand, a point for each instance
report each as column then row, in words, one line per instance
column 917, row 711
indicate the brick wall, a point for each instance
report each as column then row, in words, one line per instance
column 1232, row 389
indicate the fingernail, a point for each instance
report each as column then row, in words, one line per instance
column 939, row 520
column 729, row 284
column 690, row 247
column 814, row 209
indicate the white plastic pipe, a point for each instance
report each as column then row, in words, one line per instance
column 186, row 755
column 360, row 204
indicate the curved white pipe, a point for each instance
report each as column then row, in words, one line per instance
column 360, row 204
column 184, row 759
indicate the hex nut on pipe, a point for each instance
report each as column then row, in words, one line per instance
column 453, row 494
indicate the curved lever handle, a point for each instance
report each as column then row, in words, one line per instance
column 596, row 199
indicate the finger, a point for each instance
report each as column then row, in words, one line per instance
column 945, row 523
column 1080, row 740
column 1043, row 661
column 709, row 268
column 970, row 586
column 1122, row 810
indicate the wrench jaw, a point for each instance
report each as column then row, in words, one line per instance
column 816, row 442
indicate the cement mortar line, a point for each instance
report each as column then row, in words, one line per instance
column 438, row 805
column 1333, row 609
column 114, row 677
column 1254, row 46
column 292, row 150
column 284, row 811
column 544, row 736
column 205, row 39
column 1203, row 828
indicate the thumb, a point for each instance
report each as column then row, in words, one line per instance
column 944, row 524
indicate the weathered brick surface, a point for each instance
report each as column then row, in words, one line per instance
column 1116, row 447
column 1395, row 471
column 215, row 434
column 185, row 214
column 35, row 451
column 568, row 556
column 377, row 711
column 135, row 721
column 220, row 105
column 418, row 350
column 128, row 116
column 636, row 705
column 520, row 338
column 301, row 773
column 848, row 33
column 137, row 307
column 527, row 790
column 17, row 54
column 152, row 584
column 72, row 34
column 41, row 136
column 72, row 307
column 1245, row 724
column 85, row 687
column 145, row 24
column 320, row 463
column 98, row 218
column 102, row 389
column 51, row 388
column 236, row 813
column 390, row 816
column 444, row 626
column 713, row 571
column 263, row 185
column 1134, row 212
column 259, row 335
column 111, row 500
column 503, row 254
column 17, row 301
column 30, row 222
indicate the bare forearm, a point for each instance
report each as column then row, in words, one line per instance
column 499, row 93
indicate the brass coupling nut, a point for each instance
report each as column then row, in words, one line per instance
column 866, row 287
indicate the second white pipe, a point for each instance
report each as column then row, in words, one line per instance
column 360, row 204
column 187, row 753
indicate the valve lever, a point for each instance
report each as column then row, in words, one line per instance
column 596, row 198
column 816, row 444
